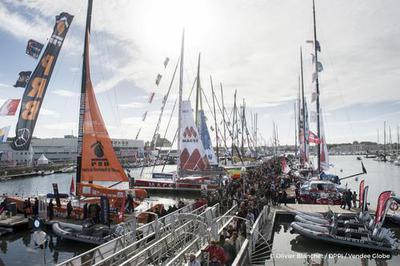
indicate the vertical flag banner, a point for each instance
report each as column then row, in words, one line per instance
column 23, row 79
column 36, row 88
column 9, row 107
column 4, row 133
column 34, row 48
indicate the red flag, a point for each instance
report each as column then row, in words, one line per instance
column 361, row 194
column 313, row 138
column 381, row 208
column 72, row 187
column 9, row 107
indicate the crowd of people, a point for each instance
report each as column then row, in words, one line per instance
column 255, row 189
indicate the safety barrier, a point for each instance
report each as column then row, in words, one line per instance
column 148, row 232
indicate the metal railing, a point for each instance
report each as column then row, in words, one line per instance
column 148, row 232
column 199, row 244
column 192, row 233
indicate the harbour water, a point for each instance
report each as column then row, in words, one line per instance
column 381, row 176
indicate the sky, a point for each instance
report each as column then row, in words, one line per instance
column 248, row 46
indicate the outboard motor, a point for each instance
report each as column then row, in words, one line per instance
column 384, row 235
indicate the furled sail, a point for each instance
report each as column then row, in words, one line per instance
column 206, row 139
column 324, row 156
column 99, row 161
column 192, row 154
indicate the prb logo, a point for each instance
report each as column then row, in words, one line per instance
column 189, row 133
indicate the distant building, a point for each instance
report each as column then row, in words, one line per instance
column 63, row 150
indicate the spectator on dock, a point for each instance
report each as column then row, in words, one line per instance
column 25, row 208
column 130, row 202
column 193, row 261
column 216, row 253
column 36, row 207
column 354, row 198
column 348, row 199
column 284, row 197
column 51, row 210
column 69, row 209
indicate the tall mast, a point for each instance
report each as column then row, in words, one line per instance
column 198, row 94
column 233, row 123
column 384, row 140
column 299, row 115
column 304, row 110
column 215, row 119
column 243, row 117
column 295, row 129
column 83, row 92
column 317, row 87
column 180, row 99
column 398, row 139
column 223, row 115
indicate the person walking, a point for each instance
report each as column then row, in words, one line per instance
column 354, row 198
column 51, row 209
column 69, row 209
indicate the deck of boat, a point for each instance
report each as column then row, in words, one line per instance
column 14, row 221
column 321, row 208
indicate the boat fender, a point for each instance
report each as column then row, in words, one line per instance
column 394, row 206
column 371, row 224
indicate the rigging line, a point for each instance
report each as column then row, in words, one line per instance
column 169, row 152
column 191, row 90
column 165, row 98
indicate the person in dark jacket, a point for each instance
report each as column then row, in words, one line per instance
column 51, row 210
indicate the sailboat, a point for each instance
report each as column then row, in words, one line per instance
column 193, row 160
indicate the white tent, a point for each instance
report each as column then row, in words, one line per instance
column 42, row 160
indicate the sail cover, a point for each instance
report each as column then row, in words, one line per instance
column 99, row 161
column 205, row 139
column 192, row 154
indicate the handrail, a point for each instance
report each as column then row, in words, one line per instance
column 120, row 242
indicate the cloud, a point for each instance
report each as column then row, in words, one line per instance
column 65, row 93
column 132, row 105
column 48, row 112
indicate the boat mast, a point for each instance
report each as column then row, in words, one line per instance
column 83, row 94
column 215, row 119
column 223, row 117
column 384, row 141
column 180, row 100
column 317, row 87
column 243, row 117
column 299, row 116
column 304, row 110
column 233, row 125
column 198, row 95
column 295, row 129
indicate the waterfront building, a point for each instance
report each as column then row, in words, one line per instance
column 63, row 150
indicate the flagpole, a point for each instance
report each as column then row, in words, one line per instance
column 317, row 88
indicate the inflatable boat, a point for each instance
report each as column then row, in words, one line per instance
column 381, row 239
column 90, row 234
